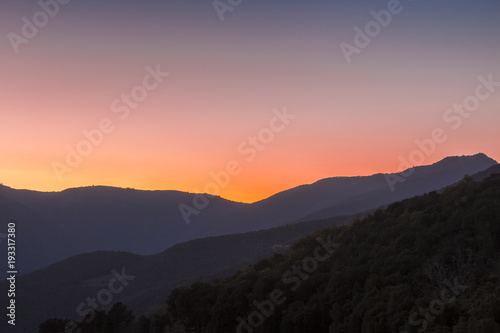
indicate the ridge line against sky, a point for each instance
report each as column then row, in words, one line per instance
column 405, row 162
column 198, row 88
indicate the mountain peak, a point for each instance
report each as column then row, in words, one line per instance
column 479, row 157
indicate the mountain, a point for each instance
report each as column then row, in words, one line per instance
column 486, row 173
column 423, row 179
column 58, row 290
column 429, row 263
column 56, row 225
column 369, row 276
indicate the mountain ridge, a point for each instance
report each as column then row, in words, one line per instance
column 197, row 260
column 61, row 224
column 319, row 181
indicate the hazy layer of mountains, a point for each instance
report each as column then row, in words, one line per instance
column 56, row 225
column 63, row 290
column 101, row 217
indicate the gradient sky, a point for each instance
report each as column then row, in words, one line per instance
column 227, row 77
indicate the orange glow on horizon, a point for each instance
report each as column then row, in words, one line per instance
column 225, row 81
column 245, row 187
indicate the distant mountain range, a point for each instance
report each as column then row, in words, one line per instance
column 59, row 290
column 56, row 225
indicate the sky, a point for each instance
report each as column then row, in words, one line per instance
column 253, row 96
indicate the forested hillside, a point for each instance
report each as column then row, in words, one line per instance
column 427, row 262
column 430, row 263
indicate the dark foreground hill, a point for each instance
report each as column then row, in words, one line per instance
column 430, row 263
column 57, row 225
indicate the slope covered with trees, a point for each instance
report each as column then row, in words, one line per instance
column 426, row 264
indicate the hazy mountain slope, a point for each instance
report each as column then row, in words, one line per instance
column 57, row 290
column 486, row 173
column 348, row 195
column 378, row 265
column 35, row 235
column 61, row 224
column 56, row 225
column 429, row 263
column 423, row 179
